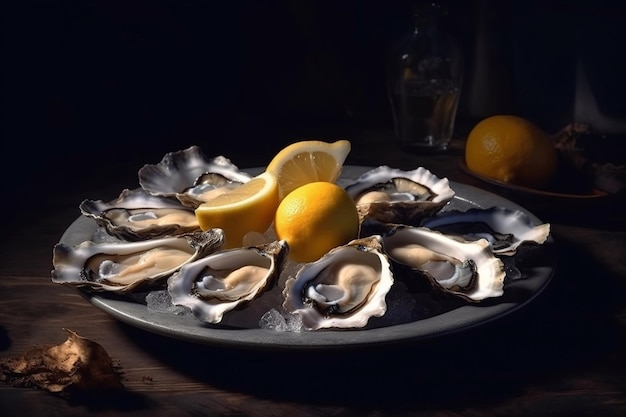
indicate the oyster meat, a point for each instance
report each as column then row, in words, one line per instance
column 392, row 195
column 124, row 266
column 227, row 279
column 139, row 215
column 190, row 176
column 467, row 269
column 342, row 289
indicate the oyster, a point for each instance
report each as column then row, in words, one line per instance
column 139, row 215
column 227, row 279
column 190, row 176
column 505, row 229
column 124, row 266
column 344, row 288
column 467, row 269
column 206, row 187
column 395, row 196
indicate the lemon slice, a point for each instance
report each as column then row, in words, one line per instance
column 247, row 208
column 308, row 161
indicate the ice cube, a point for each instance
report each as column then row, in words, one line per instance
column 293, row 322
column 281, row 322
column 161, row 301
column 273, row 320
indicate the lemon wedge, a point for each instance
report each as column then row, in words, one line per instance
column 248, row 208
column 308, row 161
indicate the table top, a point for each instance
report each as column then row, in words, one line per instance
column 563, row 354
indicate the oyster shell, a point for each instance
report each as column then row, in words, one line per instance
column 467, row 269
column 190, row 176
column 395, row 196
column 504, row 228
column 124, row 266
column 206, row 187
column 139, row 215
column 342, row 289
column 227, row 279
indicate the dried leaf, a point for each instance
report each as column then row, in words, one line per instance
column 78, row 363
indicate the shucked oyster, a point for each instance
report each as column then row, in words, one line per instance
column 139, row 215
column 208, row 186
column 342, row 289
column 190, row 176
column 394, row 196
column 227, row 279
column 467, row 269
column 123, row 266
column 506, row 229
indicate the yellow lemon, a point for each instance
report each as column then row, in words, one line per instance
column 315, row 218
column 308, row 161
column 247, row 208
column 511, row 149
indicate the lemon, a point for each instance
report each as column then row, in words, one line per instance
column 511, row 149
column 308, row 161
column 315, row 218
column 247, row 208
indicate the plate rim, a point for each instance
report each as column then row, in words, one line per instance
column 595, row 195
column 188, row 328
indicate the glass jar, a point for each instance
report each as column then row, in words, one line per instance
column 424, row 82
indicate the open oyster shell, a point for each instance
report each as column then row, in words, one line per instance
column 467, row 269
column 342, row 289
column 124, row 266
column 227, row 279
column 505, row 229
column 190, row 176
column 392, row 195
column 139, row 215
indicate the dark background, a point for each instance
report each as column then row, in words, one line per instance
column 92, row 88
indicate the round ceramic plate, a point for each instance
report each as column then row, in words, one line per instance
column 451, row 318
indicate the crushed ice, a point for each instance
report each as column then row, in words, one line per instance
column 161, row 301
column 281, row 322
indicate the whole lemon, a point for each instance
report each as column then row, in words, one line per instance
column 511, row 149
column 315, row 218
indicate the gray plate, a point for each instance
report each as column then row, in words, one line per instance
column 460, row 317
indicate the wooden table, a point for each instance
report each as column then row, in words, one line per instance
column 562, row 355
